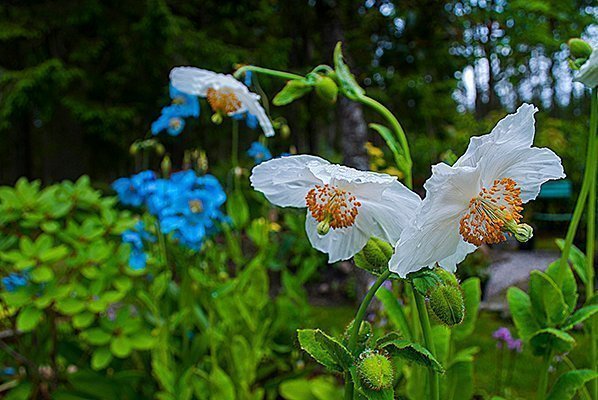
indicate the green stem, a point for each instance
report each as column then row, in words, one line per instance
column 583, row 194
column 420, row 303
column 354, row 335
column 572, row 367
column 266, row 71
column 397, row 128
column 591, row 237
column 543, row 382
column 235, row 152
column 162, row 244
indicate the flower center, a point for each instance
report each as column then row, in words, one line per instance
column 224, row 101
column 174, row 123
column 178, row 100
column 196, row 206
column 493, row 213
column 332, row 207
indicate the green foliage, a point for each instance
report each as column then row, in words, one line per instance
column 374, row 256
column 569, row 383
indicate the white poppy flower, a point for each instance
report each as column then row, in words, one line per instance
column 345, row 206
column 225, row 94
column 478, row 199
column 588, row 73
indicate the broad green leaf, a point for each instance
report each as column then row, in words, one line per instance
column 101, row 358
column 521, row 309
column 221, row 385
column 569, row 383
column 42, row 274
column 53, row 254
column 297, row 389
column 96, row 336
column 471, row 294
column 577, row 259
column 83, row 320
column 579, row 316
column 70, row 306
column 29, row 318
column 143, row 341
column 551, row 339
column 568, row 285
column 394, row 311
column 547, row 299
column 237, row 209
column 348, row 85
column 324, row 349
column 293, row 90
column 121, row 346
column 413, row 352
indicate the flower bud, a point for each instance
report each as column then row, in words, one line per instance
column 579, row 48
column 327, row 89
column 446, row 302
column 166, row 166
column 134, row 148
column 285, row 131
column 159, row 148
column 375, row 370
column 374, row 256
column 447, row 277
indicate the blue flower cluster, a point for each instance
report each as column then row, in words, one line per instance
column 186, row 205
column 15, row 281
column 173, row 116
column 135, row 238
column 259, row 152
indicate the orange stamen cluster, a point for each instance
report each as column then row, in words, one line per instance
column 224, row 100
column 490, row 211
column 335, row 205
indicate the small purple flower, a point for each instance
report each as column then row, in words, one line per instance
column 503, row 334
column 515, row 345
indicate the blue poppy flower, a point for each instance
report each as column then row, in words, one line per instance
column 135, row 237
column 250, row 119
column 247, row 79
column 173, row 124
column 183, row 104
column 15, row 281
column 259, row 152
column 134, row 190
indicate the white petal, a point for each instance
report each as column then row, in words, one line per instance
column 463, row 249
column 588, row 73
column 339, row 244
column 528, row 167
column 285, row 181
column 251, row 104
column 387, row 216
column 191, row 80
column 512, row 132
column 364, row 184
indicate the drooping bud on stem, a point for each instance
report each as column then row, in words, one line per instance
column 579, row 48
column 327, row 89
column 374, row 256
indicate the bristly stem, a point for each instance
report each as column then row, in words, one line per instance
column 398, row 130
column 420, row 303
column 583, row 194
column 266, row 71
column 354, row 335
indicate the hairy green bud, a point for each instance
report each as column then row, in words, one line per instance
column 447, row 277
column 579, row 48
column 374, row 256
column 327, row 89
column 446, row 302
column 375, row 370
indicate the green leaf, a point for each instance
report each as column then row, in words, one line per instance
column 221, row 385
column 53, row 254
column 325, row 350
column 101, row 358
column 549, row 339
column 348, row 85
column 471, row 294
column 579, row 316
column 70, row 306
column 237, row 209
column 143, row 341
column 413, row 352
column 424, row 280
column 29, row 318
column 293, row 90
column 393, row 144
column 521, row 309
column 97, row 336
column 42, row 274
column 547, row 299
column 577, row 259
column 569, row 383
column 83, row 320
column 394, row 311
column 121, row 346
column 568, row 285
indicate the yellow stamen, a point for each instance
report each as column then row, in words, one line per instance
column 223, row 101
column 332, row 207
column 493, row 213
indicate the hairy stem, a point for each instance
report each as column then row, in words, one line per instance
column 266, row 71
column 420, row 303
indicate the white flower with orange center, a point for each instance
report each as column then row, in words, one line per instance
column 345, row 206
column 588, row 73
column 226, row 95
column 479, row 199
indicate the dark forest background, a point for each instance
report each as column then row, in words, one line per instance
column 81, row 80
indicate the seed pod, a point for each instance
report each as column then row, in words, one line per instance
column 327, row 89
column 446, row 302
column 375, row 370
column 579, row 48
